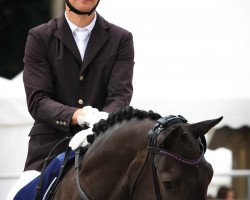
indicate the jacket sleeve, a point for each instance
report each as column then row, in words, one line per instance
column 39, row 88
column 120, row 88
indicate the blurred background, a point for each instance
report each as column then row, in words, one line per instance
column 192, row 58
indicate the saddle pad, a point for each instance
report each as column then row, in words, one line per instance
column 51, row 172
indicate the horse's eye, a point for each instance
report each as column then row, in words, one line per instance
column 168, row 185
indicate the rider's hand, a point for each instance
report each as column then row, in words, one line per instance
column 80, row 139
column 90, row 116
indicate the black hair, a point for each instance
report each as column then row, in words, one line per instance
column 115, row 117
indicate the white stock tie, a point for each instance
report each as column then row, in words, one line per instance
column 82, row 37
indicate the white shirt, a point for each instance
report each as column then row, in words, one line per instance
column 81, row 35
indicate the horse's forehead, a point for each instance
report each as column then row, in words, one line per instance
column 181, row 127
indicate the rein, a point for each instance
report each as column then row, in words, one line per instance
column 77, row 166
column 38, row 193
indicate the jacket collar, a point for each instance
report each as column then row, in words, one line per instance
column 98, row 38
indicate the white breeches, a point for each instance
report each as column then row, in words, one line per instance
column 24, row 179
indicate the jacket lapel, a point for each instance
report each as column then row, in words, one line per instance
column 64, row 34
column 98, row 38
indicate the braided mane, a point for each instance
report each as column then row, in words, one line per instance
column 115, row 117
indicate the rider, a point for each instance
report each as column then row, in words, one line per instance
column 75, row 60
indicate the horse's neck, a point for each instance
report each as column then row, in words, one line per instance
column 120, row 143
column 113, row 156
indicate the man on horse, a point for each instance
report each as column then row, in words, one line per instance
column 76, row 60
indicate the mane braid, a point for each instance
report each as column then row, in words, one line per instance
column 115, row 117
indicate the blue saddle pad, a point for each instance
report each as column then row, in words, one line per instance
column 51, row 172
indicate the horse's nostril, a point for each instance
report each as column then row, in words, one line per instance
column 168, row 185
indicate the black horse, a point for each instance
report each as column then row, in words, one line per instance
column 139, row 155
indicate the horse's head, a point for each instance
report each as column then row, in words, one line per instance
column 178, row 156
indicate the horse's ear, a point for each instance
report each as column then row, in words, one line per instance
column 201, row 128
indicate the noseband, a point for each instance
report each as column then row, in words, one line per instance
column 153, row 134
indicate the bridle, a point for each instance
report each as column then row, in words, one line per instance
column 153, row 134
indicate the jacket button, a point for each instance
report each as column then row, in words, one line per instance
column 57, row 122
column 80, row 101
column 81, row 78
